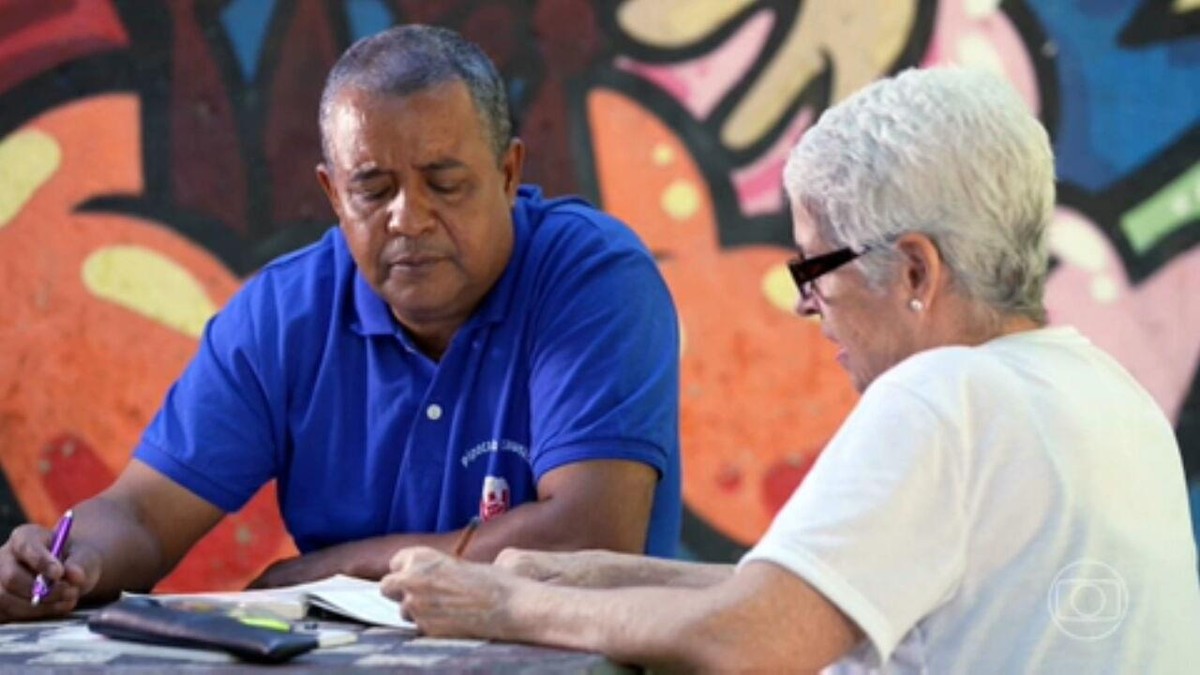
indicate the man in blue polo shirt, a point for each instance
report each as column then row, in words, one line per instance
column 459, row 347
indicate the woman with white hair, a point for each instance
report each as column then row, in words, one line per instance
column 1004, row 497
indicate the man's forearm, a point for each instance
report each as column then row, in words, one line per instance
column 130, row 558
column 535, row 525
column 594, row 568
column 365, row 559
column 368, row 558
column 571, row 517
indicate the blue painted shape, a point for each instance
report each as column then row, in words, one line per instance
column 1119, row 107
column 246, row 23
column 1187, row 55
column 367, row 17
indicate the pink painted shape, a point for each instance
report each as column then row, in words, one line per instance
column 1152, row 329
column 759, row 185
column 699, row 84
column 953, row 24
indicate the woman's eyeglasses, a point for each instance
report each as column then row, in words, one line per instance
column 806, row 270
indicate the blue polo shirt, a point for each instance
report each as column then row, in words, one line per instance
column 306, row 377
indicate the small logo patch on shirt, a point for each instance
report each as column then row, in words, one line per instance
column 496, row 497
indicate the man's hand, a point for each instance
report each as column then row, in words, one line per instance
column 27, row 554
column 445, row 596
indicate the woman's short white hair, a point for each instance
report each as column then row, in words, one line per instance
column 948, row 152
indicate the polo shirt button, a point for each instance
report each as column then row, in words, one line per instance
column 434, row 411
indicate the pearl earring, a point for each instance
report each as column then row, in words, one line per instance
column 916, row 305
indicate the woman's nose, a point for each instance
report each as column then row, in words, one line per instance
column 807, row 305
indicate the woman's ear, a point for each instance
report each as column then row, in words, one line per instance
column 922, row 268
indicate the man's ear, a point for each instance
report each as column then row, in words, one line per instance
column 325, row 178
column 511, row 165
column 922, row 270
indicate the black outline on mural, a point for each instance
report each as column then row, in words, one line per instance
column 1157, row 21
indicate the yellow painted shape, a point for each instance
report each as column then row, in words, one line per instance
column 1184, row 6
column 668, row 24
column 27, row 160
column 663, row 154
column 681, row 199
column 151, row 284
column 779, row 288
column 859, row 40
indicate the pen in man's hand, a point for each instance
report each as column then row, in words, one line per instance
column 41, row 587
column 465, row 537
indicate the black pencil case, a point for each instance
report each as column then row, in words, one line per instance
column 144, row 620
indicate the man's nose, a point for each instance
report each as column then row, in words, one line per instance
column 409, row 214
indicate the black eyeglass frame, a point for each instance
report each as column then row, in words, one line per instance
column 805, row 271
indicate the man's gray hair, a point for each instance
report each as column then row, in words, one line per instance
column 404, row 60
column 948, row 152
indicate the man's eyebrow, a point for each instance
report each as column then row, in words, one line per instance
column 366, row 174
column 442, row 165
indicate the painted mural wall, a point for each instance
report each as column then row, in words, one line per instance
column 153, row 154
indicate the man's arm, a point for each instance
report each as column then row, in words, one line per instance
column 126, row 538
column 591, row 504
column 763, row 618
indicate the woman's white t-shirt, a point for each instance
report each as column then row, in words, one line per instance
column 1015, row 507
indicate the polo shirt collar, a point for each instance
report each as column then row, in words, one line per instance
column 374, row 315
column 495, row 305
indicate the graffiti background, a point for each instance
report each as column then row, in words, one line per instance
column 153, row 154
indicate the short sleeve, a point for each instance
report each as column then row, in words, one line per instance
column 219, row 430
column 604, row 380
column 879, row 525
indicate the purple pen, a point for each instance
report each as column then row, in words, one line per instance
column 41, row 587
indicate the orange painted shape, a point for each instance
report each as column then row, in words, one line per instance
column 75, row 361
column 761, row 391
